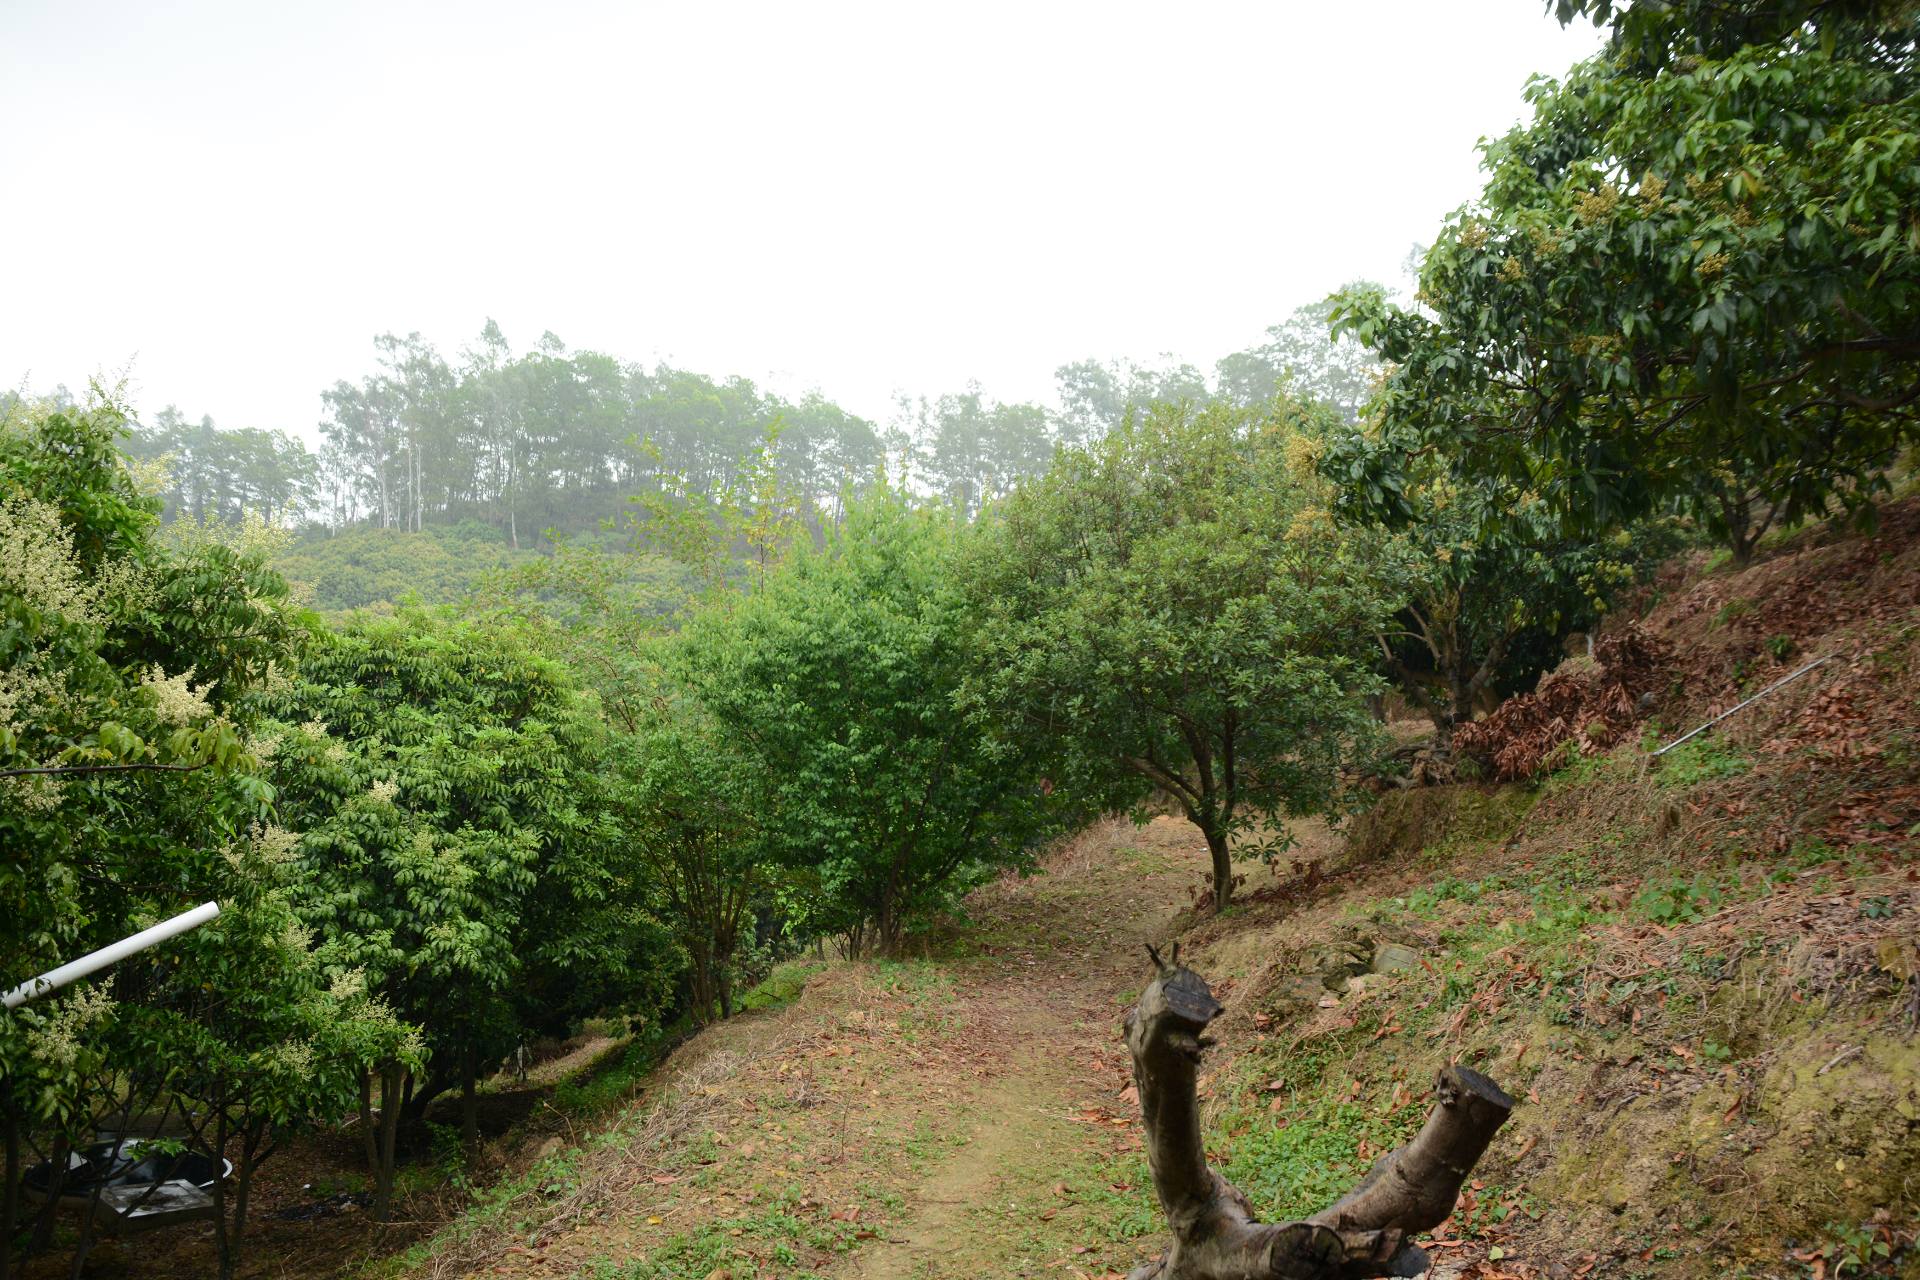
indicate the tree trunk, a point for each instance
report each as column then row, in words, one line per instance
column 470, row 1100
column 243, row 1185
column 702, row 981
column 1222, row 867
column 222, row 1245
column 1742, row 534
column 391, row 1077
column 367, row 1131
column 43, row 1222
column 1215, row 1235
column 11, row 1192
column 1742, row 550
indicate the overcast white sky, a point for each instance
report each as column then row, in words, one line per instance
column 234, row 198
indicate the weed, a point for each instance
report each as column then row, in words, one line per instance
column 781, row 987
column 1574, row 769
column 1853, row 1247
column 449, row 1154
column 1680, row 901
column 611, row 1079
column 1703, row 759
column 1731, row 611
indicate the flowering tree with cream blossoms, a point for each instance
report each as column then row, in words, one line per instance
column 131, row 674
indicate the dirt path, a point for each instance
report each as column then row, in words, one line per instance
column 1062, row 955
column 933, row 1119
column 938, row 1236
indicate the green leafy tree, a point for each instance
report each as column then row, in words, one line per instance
column 1175, row 608
column 1495, row 579
column 837, row 680
column 457, row 845
column 695, row 808
column 1692, row 278
column 255, row 1035
column 132, row 676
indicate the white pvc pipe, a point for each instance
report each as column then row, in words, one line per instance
column 1783, row 680
column 54, row 979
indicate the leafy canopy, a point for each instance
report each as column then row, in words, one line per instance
column 1692, row 277
column 1174, row 609
column 838, row 677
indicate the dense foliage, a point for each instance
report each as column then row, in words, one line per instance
column 1691, row 280
column 1177, row 612
column 838, row 678
column 130, row 789
column 457, row 842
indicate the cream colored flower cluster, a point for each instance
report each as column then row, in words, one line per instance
column 56, row 1041
column 37, row 563
column 175, row 700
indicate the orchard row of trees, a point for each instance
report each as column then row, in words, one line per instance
column 438, row 834
column 1682, row 307
column 552, row 438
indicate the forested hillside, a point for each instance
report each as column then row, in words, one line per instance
column 664, row 830
column 565, row 444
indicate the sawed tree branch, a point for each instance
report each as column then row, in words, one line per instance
column 1368, row 1232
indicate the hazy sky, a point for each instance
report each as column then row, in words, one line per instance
column 236, row 197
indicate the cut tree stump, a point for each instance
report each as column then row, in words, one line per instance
column 1368, row 1232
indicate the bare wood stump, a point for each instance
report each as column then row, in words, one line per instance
column 1215, row 1234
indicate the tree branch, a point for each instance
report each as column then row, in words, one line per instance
column 80, row 770
column 1215, row 1235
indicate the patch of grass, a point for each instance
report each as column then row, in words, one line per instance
column 611, row 1078
column 1295, row 1156
column 781, row 987
column 780, row 1236
column 1678, row 900
column 1148, row 862
column 1425, row 901
column 1577, row 770
column 1731, row 611
column 1703, row 759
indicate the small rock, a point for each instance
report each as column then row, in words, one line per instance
column 1388, row 956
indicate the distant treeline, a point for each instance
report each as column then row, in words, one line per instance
column 557, row 439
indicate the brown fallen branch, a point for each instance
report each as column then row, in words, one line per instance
column 1368, row 1232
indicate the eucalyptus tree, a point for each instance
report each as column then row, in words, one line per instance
column 209, row 472
column 970, row 448
column 1301, row 358
column 1097, row 395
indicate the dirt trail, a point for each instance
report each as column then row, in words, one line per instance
column 952, row 1116
column 938, row 1237
column 1064, row 953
